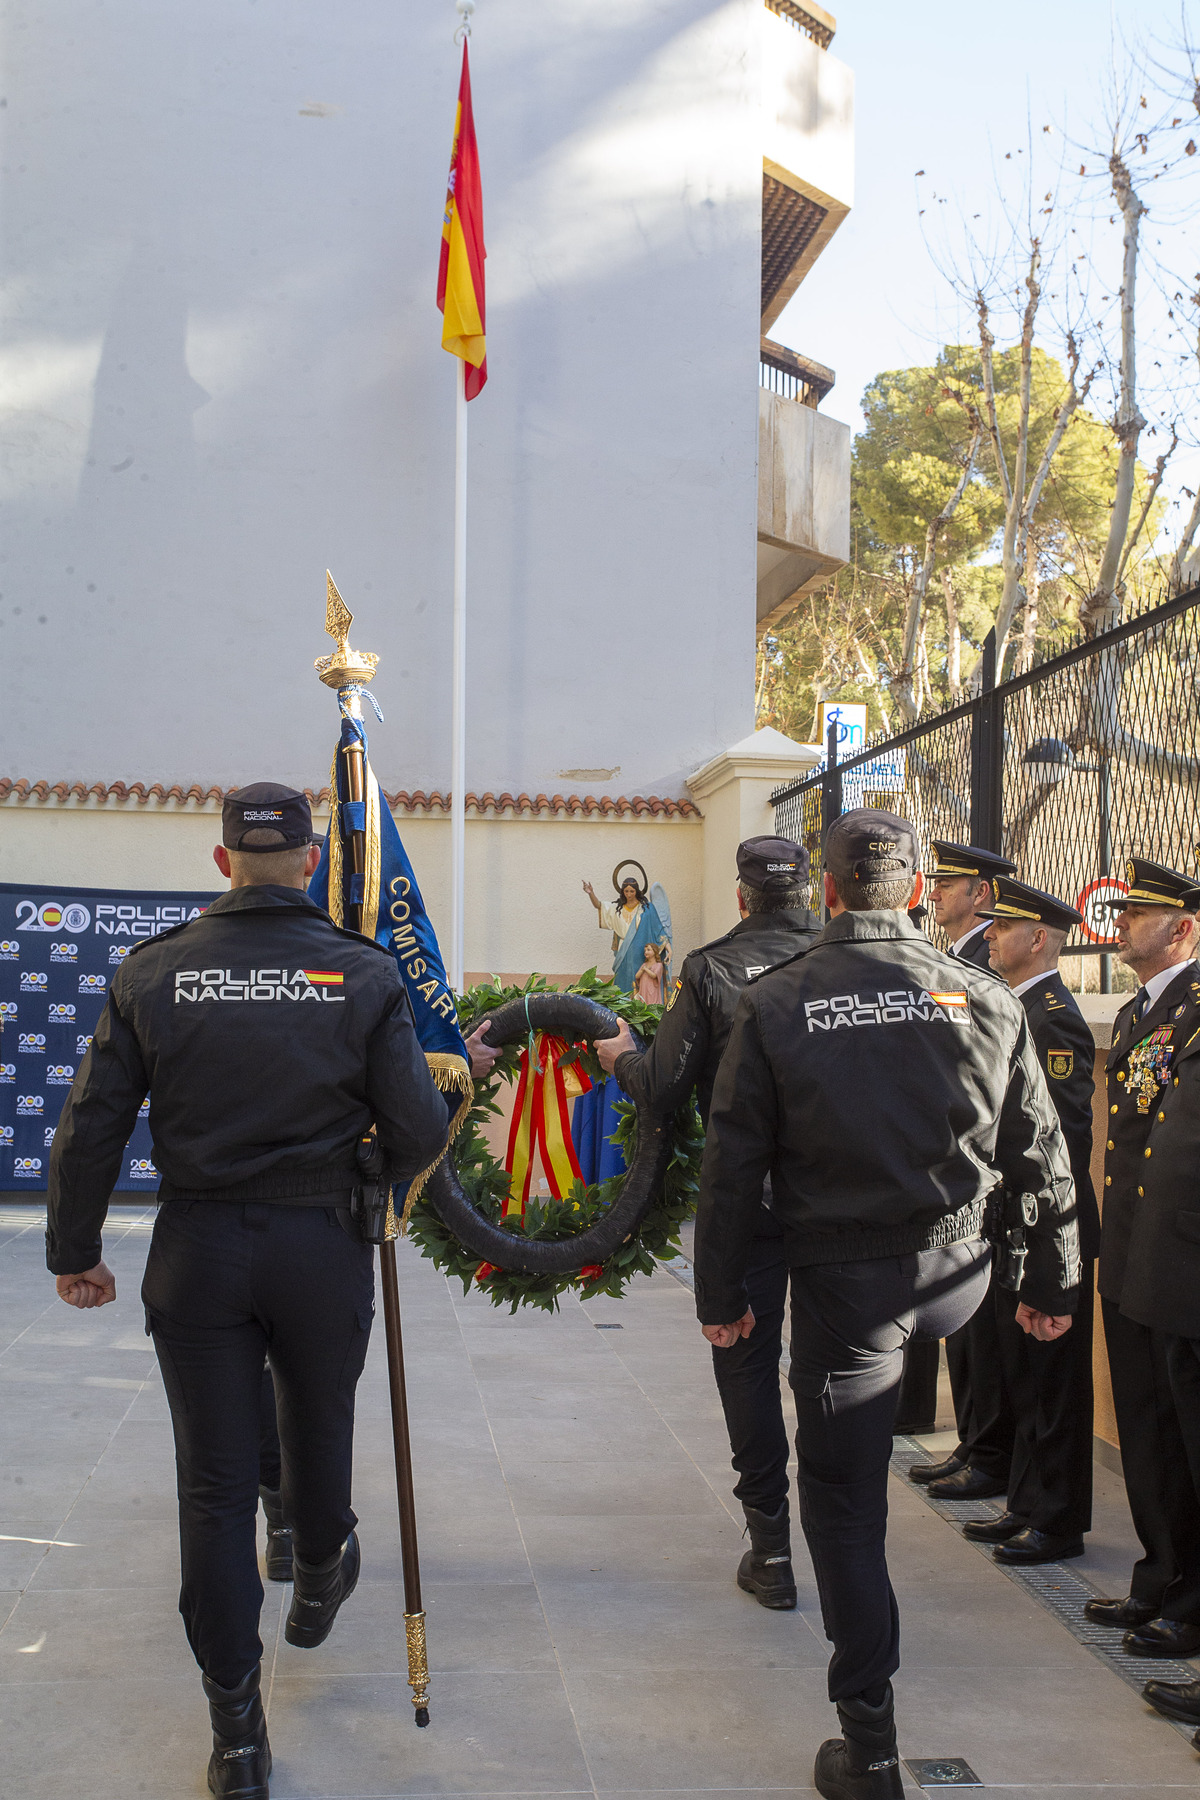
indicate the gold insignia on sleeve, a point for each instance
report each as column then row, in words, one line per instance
column 674, row 994
column 1060, row 1063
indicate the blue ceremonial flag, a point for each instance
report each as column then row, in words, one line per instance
column 393, row 914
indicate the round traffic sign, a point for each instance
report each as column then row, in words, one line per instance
column 1098, row 925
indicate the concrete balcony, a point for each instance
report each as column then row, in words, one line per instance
column 803, row 483
column 808, row 145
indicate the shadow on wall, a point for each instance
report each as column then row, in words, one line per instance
column 138, row 505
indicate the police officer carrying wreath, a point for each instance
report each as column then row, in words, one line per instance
column 1157, row 930
column 890, row 1092
column 1049, row 1384
column 686, row 1052
column 270, row 1042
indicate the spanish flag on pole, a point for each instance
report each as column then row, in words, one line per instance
column 460, row 295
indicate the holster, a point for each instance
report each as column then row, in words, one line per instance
column 372, row 1192
column 1006, row 1223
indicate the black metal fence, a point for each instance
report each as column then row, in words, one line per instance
column 1090, row 756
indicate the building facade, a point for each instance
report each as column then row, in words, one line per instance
column 225, row 376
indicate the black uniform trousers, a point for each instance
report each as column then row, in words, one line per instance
column 269, row 1455
column 1154, row 1458
column 748, row 1381
column 983, row 1413
column 916, row 1409
column 1050, row 1389
column 226, row 1284
column 1183, row 1367
column 850, row 1323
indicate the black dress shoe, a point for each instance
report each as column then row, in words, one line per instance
column 1030, row 1546
column 319, row 1591
column 967, row 1483
column 1175, row 1699
column 1163, row 1637
column 1128, row 1614
column 923, row 1472
column 993, row 1531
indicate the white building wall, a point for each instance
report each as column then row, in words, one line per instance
column 224, row 373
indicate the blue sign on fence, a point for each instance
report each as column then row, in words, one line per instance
column 59, row 950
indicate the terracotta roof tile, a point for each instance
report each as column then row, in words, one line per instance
column 586, row 806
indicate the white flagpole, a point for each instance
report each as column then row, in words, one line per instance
column 458, row 703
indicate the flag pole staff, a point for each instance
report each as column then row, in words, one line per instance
column 458, row 705
column 348, row 672
column 458, row 675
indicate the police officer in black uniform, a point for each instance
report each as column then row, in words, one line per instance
column 685, row 1054
column 960, row 884
column 1157, row 929
column 891, row 1092
column 1049, row 1385
column 270, row 1042
column 1161, row 1286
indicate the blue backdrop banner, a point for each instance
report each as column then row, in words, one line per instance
column 59, row 950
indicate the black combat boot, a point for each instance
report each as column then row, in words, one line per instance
column 862, row 1764
column 320, row 1589
column 766, row 1569
column 279, row 1536
column 240, row 1764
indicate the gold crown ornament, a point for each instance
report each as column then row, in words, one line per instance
column 344, row 667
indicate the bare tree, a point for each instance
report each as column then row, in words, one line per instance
column 907, row 685
column 1021, row 495
column 1103, row 605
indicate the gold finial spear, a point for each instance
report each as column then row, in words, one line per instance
column 344, row 666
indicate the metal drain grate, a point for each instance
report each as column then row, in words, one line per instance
column 1058, row 1587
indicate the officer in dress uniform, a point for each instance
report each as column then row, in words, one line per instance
column 1049, row 1384
column 270, row 1042
column 776, row 923
column 891, row 1092
column 1157, row 930
column 1161, row 1288
column 978, row 1466
column 960, row 884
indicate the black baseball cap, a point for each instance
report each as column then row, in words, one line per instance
column 1017, row 900
column 771, row 863
column 265, row 806
column 868, row 845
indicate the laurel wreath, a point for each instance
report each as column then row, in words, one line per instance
column 486, row 1181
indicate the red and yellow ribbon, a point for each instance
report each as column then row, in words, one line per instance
column 541, row 1123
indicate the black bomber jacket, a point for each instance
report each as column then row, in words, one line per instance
column 687, row 1047
column 887, row 1089
column 269, row 1041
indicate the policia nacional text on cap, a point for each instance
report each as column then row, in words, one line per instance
column 890, row 1091
column 256, row 1107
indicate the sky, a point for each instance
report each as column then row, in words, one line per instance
column 945, row 87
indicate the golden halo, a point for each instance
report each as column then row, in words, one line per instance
column 631, row 863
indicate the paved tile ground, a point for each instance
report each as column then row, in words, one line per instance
column 578, row 1540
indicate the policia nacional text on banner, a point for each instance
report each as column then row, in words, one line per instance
column 59, row 950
